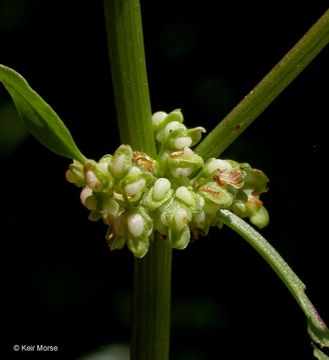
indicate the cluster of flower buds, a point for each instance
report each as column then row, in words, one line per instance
column 177, row 194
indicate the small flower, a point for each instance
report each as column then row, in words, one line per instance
column 216, row 197
column 136, row 195
column 159, row 194
column 75, row 174
column 139, row 229
column 121, row 161
column 135, row 183
column 183, row 163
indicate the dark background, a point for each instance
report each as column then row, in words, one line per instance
column 60, row 283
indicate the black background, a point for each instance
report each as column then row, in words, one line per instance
column 60, row 283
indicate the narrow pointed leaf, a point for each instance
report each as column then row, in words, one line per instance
column 39, row 118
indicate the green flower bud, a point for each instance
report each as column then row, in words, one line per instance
column 175, row 136
column 115, row 243
column 240, row 209
column 239, row 195
column 199, row 220
column 257, row 213
column 92, row 181
column 75, row 174
column 110, row 209
column 104, row 163
column 201, row 223
column 157, row 119
column 177, row 217
column 216, row 197
column 260, row 217
column 195, row 134
column 255, row 179
column 121, row 162
column 189, row 198
column 160, row 122
column 159, row 194
column 94, row 216
column 135, row 183
column 139, row 228
column 212, row 165
column 146, row 163
column 97, row 177
column 179, row 240
column 183, row 163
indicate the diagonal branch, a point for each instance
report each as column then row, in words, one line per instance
column 317, row 329
column 283, row 73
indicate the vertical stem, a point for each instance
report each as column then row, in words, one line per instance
column 129, row 78
column 152, row 274
column 151, row 304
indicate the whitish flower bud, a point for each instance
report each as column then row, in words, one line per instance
column 121, row 161
column 180, row 218
column 161, row 188
column 86, row 192
column 180, row 172
column 182, row 142
column 92, row 181
column 185, row 195
column 135, row 183
column 140, row 227
column 216, row 164
column 136, row 224
column 158, row 195
column 183, row 163
column 97, row 177
column 161, row 121
column 157, row 118
column 135, row 187
column 174, row 125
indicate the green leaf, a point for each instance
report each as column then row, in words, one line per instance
column 319, row 354
column 39, row 118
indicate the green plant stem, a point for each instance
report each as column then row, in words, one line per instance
column 316, row 327
column 283, row 73
column 152, row 274
column 151, row 310
column 129, row 77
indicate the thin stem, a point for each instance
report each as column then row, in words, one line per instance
column 283, row 73
column 151, row 310
column 129, row 77
column 152, row 274
column 316, row 327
